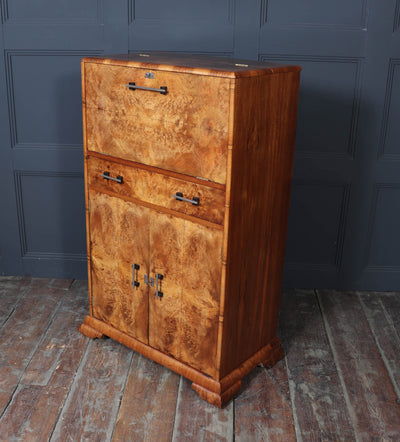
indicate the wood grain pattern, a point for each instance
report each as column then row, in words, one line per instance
column 11, row 292
column 371, row 394
column 316, row 388
column 147, row 411
column 156, row 188
column 383, row 313
column 194, row 64
column 184, row 323
column 174, row 213
column 264, row 133
column 222, row 273
column 86, row 175
column 263, row 409
column 119, row 237
column 169, row 173
column 56, row 350
column 18, row 341
column 218, row 399
column 263, row 412
column 198, row 420
column 100, row 382
column 190, row 123
column 219, row 392
column 45, row 384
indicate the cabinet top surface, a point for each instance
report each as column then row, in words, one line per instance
column 195, row 64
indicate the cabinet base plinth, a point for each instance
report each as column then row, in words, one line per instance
column 90, row 332
column 216, row 392
column 275, row 355
column 219, row 400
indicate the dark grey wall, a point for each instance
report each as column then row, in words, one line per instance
column 345, row 206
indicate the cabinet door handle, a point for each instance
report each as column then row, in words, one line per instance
column 106, row 175
column 179, row 196
column 132, row 86
column 135, row 283
column 159, row 294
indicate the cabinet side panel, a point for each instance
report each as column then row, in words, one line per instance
column 265, row 115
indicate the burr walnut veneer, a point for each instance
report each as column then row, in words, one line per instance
column 188, row 164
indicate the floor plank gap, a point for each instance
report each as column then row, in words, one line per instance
column 350, row 408
column 339, row 378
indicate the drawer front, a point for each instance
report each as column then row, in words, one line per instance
column 156, row 188
column 185, row 131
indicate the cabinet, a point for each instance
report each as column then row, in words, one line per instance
column 188, row 163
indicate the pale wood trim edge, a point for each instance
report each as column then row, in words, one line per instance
column 157, row 208
column 154, row 169
column 86, row 176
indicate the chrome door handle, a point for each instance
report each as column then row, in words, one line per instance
column 159, row 294
column 135, row 282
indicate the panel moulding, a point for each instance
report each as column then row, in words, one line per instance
column 97, row 19
column 132, row 16
column 8, row 57
column 342, row 220
column 378, row 188
column 25, row 253
column 265, row 21
column 55, row 256
column 393, row 63
column 131, row 11
column 352, row 140
column 396, row 20
column 212, row 54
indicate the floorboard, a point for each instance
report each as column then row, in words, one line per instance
column 370, row 391
column 92, row 405
column 316, row 391
column 198, row 420
column 263, row 411
column 148, row 407
column 339, row 380
column 23, row 331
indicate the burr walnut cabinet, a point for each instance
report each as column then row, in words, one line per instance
column 188, row 164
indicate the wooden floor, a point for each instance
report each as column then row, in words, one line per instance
column 340, row 379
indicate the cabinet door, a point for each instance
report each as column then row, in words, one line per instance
column 119, row 238
column 184, row 321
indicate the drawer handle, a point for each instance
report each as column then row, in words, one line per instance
column 132, row 86
column 179, row 196
column 106, row 175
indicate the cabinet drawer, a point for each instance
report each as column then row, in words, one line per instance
column 157, row 189
column 185, row 130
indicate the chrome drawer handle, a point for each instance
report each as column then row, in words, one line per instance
column 179, row 196
column 132, row 86
column 106, row 175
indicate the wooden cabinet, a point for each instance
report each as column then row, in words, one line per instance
column 188, row 163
